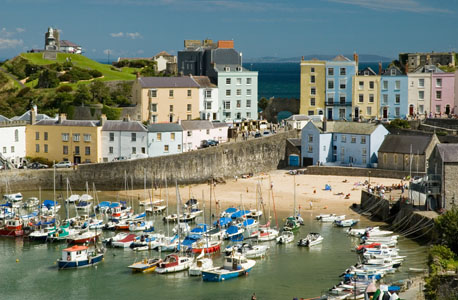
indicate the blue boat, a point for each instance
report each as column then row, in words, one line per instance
column 235, row 265
column 79, row 257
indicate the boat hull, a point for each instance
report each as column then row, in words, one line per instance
column 214, row 276
column 12, row 233
column 64, row 264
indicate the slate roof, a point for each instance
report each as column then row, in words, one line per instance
column 298, row 118
column 347, row 127
column 219, row 124
column 395, row 143
column 204, row 82
column 196, row 125
column 164, row 127
column 83, row 123
column 4, row 119
column 163, row 53
column 448, row 152
column 65, row 43
column 26, row 117
column 428, row 69
column 387, row 71
column 123, row 126
column 369, row 69
column 295, row 142
column 340, row 58
column 168, row 82
column 233, row 68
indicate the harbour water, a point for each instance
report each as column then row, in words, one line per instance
column 288, row 271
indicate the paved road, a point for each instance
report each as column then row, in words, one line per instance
column 11, row 76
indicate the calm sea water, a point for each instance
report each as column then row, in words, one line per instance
column 288, row 271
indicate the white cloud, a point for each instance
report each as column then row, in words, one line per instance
column 108, row 51
column 119, row 34
column 20, row 30
column 6, row 33
column 10, row 43
column 394, row 5
column 134, row 35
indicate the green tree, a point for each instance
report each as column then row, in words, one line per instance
column 398, row 123
column 447, row 228
column 121, row 95
column 263, row 103
column 112, row 113
column 48, row 79
column 82, row 95
column 100, row 92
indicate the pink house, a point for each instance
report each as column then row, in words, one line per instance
column 443, row 93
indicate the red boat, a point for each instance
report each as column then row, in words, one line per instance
column 84, row 237
column 373, row 245
column 13, row 227
column 210, row 247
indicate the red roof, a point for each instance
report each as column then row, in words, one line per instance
column 75, row 248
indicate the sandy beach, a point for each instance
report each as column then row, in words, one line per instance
column 309, row 188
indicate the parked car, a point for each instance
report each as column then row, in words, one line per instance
column 212, row 143
column 37, row 165
column 204, row 144
column 119, row 158
column 63, row 164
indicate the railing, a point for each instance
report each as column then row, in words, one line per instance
column 327, row 103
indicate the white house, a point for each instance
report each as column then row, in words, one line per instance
column 69, row 47
column 341, row 143
column 208, row 98
column 164, row 139
column 162, row 58
column 196, row 131
column 12, row 141
column 123, row 138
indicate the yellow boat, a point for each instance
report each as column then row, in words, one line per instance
column 146, row 265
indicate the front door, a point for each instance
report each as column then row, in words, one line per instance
column 411, row 110
column 77, row 160
column 329, row 113
column 356, row 113
column 447, row 109
column 385, row 112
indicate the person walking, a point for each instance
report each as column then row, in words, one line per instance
column 311, row 205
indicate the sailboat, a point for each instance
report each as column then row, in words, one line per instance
column 167, row 243
column 266, row 233
column 294, row 221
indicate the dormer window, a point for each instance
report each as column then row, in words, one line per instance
column 227, row 69
column 366, row 73
column 239, row 69
column 393, row 72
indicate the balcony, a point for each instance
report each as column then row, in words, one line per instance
column 328, row 103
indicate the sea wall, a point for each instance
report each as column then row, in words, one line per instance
column 225, row 161
column 362, row 172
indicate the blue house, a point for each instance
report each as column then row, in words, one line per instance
column 393, row 94
column 339, row 89
column 341, row 143
column 164, row 139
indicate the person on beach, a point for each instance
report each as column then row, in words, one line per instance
column 311, row 205
column 253, row 297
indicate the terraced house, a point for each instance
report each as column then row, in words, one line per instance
column 393, row 94
column 313, row 90
column 339, row 91
column 77, row 141
column 419, row 91
column 366, row 95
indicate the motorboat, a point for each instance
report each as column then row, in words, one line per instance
column 248, row 250
column 267, row 234
column 12, row 227
column 146, row 226
column 285, row 237
column 84, row 237
column 31, row 202
column 235, row 265
column 346, row 222
column 201, row 264
column 332, row 218
column 174, row 263
column 311, row 239
column 145, row 265
column 79, row 257
column 73, row 198
column 291, row 224
column 13, row 197
column 124, row 242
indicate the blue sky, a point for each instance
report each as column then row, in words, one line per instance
column 283, row 28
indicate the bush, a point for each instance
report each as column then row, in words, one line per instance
column 67, row 66
column 64, row 89
column 48, row 79
column 447, row 228
column 398, row 123
column 112, row 113
column 95, row 73
column 23, row 92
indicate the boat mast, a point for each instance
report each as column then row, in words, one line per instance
column 65, row 202
column 167, row 207
column 294, row 210
column 211, row 183
column 273, row 202
column 54, row 190
column 178, row 214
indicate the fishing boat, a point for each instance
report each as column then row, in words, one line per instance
column 311, row 239
column 79, row 257
column 285, row 237
column 43, row 232
column 346, row 222
column 174, row 263
column 146, row 265
column 235, row 265
column 12, row 227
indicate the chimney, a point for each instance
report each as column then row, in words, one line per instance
column 302, row 57
column 62, row 117
column 380, row 68
column 126, row 118
column 138, row 75
column 103, row 119
column 33, row 116
column 35, row 108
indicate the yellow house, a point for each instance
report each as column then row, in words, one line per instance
column 166, row 99
column 313, row 88
column 78, row 141
column 366, row 94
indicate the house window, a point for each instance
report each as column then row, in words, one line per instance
column 143, row 150
column 312, row 70
column 134, row 150
column 87, row 150
column 421, row 95
column 397, row 98
column 438, row 108
column 385, row 98
column 12, row 149
column 438, row 95
column 364, row 151
column 248, row 103
column 364, row 160
column 179, row 147
column 239, row 103
column 331, row 71
column 330, row 99
column 37, row 135
column 153, row 118
column 353, row 139
column 171, row 93
column 46, row 148
column 208, row 93
column 110, row 150
column 342, row 113
column 189, row 107
column 421, row 109
column 312, row 91
column 207, row 131
column 154, row 107
column 111, row 136
column 363, row 139
column 65, row 137
column 371, row 98
column 189, row 93
column 330, row 84
column 158, row 136
column 16, row 135
column 248, row 81
column 312, row 101
column 342, row 154
column 342, row 98
column 344, row 138
column 343, row 84
column 228, row 92
column 166, row 148
column 312, row 79
column 171, row 108
column 87, row 137
column 153, row 93
column 369, row 110
column 227, row 104
column 310, row 149
column 189, row 133
column 438, row 82
column 172, row 136
column 248, row 115
column 133, row 137
column 238, row 92
column 228, row 81
column 77, row 150
column 361, row 98
column 239, row 115
column 239, row 81
column 343, row 71
column 46, row 136
column 208, row 105
column 65, row 150
column 385, row 84
column 371, row 85
column 421, row 82
column 4, row 149
column 397, row 85
column 76, row 137
column 310, row 112
column 361, row 85
column 310, row 138
column 397, row 111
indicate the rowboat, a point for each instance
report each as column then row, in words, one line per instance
column 145, row 265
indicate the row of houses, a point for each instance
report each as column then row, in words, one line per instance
column 95, row 141
column 339, row 91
